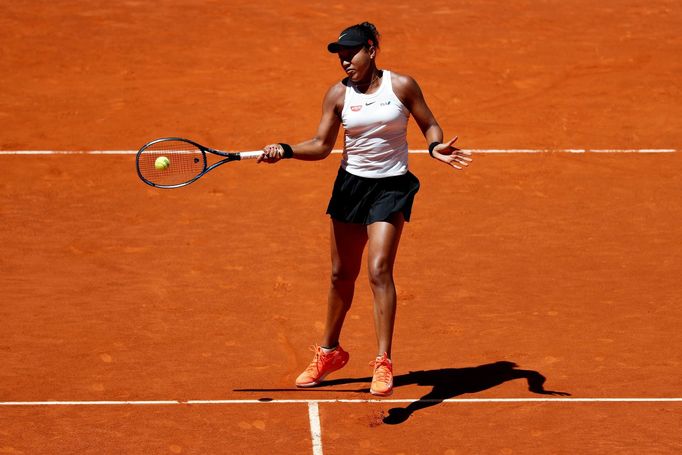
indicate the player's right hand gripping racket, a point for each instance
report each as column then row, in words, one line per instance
column 172, row 162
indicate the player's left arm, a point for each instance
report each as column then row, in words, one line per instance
column 409, row 92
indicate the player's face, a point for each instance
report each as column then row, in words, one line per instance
column 356, row 62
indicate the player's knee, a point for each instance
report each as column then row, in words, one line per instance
column 342, row 276
column 380, row 273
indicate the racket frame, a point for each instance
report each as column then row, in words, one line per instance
column 229, row 156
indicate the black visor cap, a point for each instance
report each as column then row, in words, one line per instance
column 349, row 38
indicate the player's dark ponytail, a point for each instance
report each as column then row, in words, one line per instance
column 371, row 32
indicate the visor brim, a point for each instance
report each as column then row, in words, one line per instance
column 336, row 47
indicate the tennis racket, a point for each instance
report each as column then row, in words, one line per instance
column 172, row 162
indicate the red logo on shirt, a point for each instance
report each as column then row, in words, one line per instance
column 355, row 108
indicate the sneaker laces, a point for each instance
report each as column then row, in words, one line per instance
column 382, row 369
column 314, row 366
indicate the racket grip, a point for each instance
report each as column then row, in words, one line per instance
column 250, row 155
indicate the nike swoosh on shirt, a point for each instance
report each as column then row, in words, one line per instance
column 367, row 104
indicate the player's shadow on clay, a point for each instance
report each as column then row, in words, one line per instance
column 448, row 383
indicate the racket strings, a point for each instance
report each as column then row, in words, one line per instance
column 184, row 162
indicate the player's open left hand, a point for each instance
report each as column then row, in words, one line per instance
column 451, row 155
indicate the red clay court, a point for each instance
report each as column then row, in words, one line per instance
column 539, row 290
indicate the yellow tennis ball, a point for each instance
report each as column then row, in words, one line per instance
column 161, row 163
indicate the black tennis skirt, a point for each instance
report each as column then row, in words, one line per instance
column 364, row 200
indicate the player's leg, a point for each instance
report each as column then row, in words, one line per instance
column 384, row 238
column 347, row 244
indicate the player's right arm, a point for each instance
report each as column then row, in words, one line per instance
column 322, row 144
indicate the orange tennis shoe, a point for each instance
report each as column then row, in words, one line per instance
column 321, row 366
column 382, row 379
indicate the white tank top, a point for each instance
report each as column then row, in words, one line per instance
column 375, row 142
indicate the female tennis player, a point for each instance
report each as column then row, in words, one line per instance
column 373, row 192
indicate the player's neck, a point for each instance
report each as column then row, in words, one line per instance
column 371, row 83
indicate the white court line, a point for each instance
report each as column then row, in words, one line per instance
column 89, row 403
column 68, row 152
column 341, row 400
column 315, row 427
column 417, row 151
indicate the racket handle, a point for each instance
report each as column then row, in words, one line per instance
column 250, row 155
